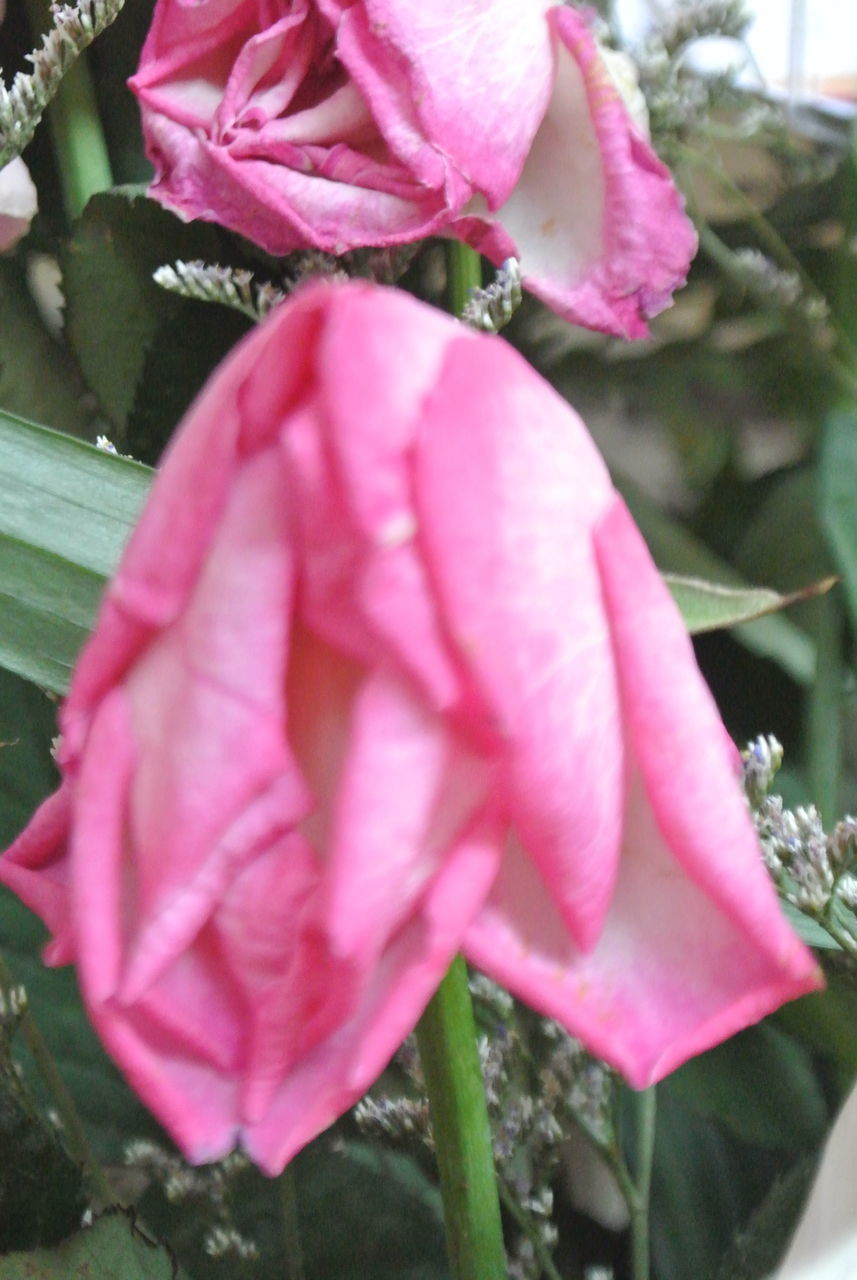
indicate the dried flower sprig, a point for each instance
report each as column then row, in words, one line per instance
column 814, row 871
column 209, row 282
column 491, row 308
column 23, row 103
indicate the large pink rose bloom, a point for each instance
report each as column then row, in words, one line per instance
column 341, row 123
column 386, row 671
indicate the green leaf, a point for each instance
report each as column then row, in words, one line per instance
column 838, row 497
column 809, row 930
column 66, row 511
column 112, row 1247
column 826, row 1022
column 709, row 606
column 761, row 1085
column 676, row 550
column 33, row 1157
column 38, row 377
column 113, row 307
column 362, row 1211
column 759, row 1247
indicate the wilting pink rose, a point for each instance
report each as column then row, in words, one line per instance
column 341, row 123
column 386, row 671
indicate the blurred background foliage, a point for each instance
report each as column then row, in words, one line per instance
column 733, row 433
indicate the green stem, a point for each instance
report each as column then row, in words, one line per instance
column 291, row 1231
column 446, row 1036
column 463, row 273
column 78, row 138
column 824, row 720
column 73, row 1130
column 646, row 1112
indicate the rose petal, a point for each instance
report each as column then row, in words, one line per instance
column 507, row 490
column 595, row 219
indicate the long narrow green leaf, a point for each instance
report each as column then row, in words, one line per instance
column 66, row 510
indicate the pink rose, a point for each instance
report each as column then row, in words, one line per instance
column 340, row 123
column 387, row 671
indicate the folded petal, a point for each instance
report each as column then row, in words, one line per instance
column 507, row 489
column 672, row 973
column 595, row 218
column 152, row 584
column 335, row 1075
column 406, row 793
column 475, row 73
column 686, row 759
column 36, row 868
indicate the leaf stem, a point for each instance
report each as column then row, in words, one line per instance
column 73, row 1130
column 446, row 1036
column 463, row 273
column 824, row 729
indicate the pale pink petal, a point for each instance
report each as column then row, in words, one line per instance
column 294, row 990
column 366, row 572
column 335, row 1075
column 405, row 794
column 161, row 562
column 508, row 485
column 476, row 73
column 595, row 219
column 685, row 757
column 672, row 973
column 36, row 868
column 19, row 203
column 206, row 687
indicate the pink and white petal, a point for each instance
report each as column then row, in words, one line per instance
column 184, row 25
column 295, row 992
column 678, row 741
column 505, row 516
column 371, row 414
column 101, row 891
column 178, row 910
column 36, row 868
column 671, row 975
column 268, row 70
column 289, row 209
column 381, row 77
column 595, row 218
column 19, row 203
column 187, row 58
column 207, row 698
column 335, row 1075
column 372, row 403
column 238, row 410
column 475, row 73
column 405, row 794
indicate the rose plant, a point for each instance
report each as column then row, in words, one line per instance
column 335, row 124
column 386, row 671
